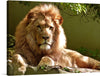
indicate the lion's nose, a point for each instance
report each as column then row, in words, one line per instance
column 45, row 37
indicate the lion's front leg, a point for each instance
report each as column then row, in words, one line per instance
column 95, row 64
column 19, row 64
column 88, row 62
column 46, row 61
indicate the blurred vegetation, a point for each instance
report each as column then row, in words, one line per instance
column 85, row 10
column 76, row 8
column 11, row 41
column 10, row 46
column 91, row 53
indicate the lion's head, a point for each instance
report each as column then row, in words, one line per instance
column 42, row 30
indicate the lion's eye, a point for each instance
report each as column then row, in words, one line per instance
column 39, row 27
column 51, row 28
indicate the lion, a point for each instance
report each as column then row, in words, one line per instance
column 40, row 40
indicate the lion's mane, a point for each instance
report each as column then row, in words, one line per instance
column 28, row 48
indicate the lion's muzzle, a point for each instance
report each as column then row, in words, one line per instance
column 45, row 47
column 46, row 44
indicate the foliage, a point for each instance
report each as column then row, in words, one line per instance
column 66, row 69
column 10, row 46
column 76, row 71
column 86, row 10
column 95, row 7
column 10, row 52
column 91, row 53
column 43, row 67
column 10, row 41
column 75, row 7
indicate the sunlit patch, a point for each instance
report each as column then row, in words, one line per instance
column 85, row 59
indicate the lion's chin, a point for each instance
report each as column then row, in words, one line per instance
column 45, row 47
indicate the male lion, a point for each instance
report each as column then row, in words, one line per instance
column 40, row 40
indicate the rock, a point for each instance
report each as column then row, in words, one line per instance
column 30, row 70
column 80, row 70
column 9, row 68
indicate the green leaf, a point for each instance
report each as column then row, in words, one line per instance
column 76, row 71
column 66, row 69
column 42, row 67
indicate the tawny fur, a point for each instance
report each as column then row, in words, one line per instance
column 27, row 39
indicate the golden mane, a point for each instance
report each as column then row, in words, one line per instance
column 21, row 31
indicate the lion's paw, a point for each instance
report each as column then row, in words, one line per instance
column 46, row 61
column 19, row 64
column 22, row 69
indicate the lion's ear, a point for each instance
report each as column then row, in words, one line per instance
column 59, row 20
column 30, row 15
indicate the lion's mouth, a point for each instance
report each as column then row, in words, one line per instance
column 45, row 46
column 45, row 43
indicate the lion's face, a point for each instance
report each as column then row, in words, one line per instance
column 44, row 30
